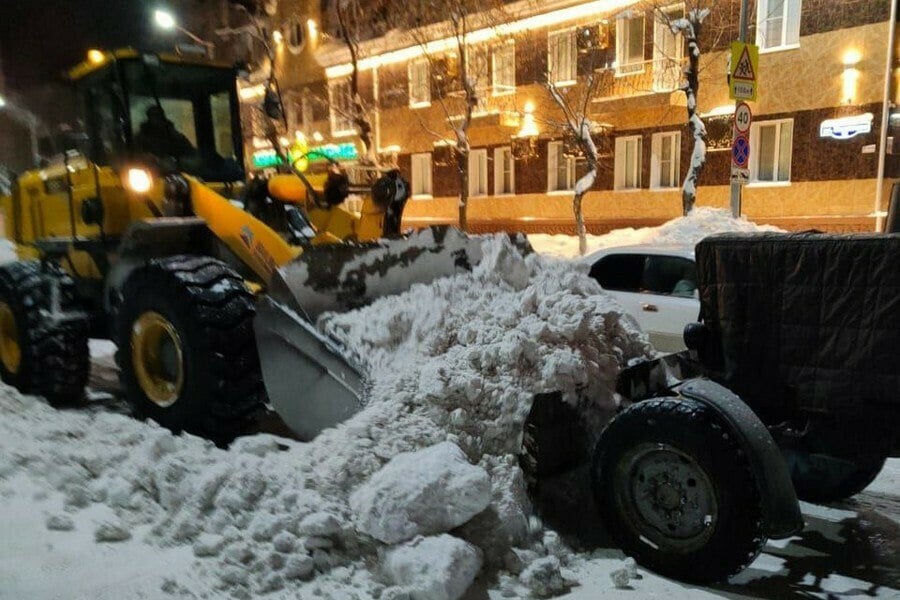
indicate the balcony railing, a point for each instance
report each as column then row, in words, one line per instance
column 643, row 77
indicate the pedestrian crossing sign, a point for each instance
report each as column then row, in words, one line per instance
column 744, row 71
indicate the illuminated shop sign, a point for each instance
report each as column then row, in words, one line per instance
column 844, row 128
column 264, row 159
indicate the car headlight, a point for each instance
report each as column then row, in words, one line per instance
column 139, row 180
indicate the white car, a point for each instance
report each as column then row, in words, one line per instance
column 657, row 285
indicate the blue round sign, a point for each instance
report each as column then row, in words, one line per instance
column 740, row 151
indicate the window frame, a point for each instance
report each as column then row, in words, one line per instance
column 635, row 67
column 334, row 116
column 415, row 173
column 665, row 66
column 499, row 167
column 755, row 152
column 572, row 72
column 478, row 157
column 499, row 88
column 556, row 148
column 424, row 99
column 656, row 160
column 621, row 169
column 790, row 19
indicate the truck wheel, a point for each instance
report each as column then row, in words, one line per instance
column 187, row 353
column 676, row 491
column 821, row 479
column 41, row 354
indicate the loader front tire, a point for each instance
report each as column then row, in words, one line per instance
column 43, row 348
column 677, row 492
column 187, row 352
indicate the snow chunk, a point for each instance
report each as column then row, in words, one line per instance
column 433, row 568
column 425, row 492
column 60, row 522
column 543, row 577
column 109, row 531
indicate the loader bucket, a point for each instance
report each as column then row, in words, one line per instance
column 312, row 382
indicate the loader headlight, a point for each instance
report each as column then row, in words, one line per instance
column 139, row 180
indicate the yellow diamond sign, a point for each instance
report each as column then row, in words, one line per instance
column 743, row 78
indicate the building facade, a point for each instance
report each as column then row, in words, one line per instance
column 826, row 73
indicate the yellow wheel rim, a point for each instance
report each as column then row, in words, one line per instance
column 157, row 358
column 10, row 351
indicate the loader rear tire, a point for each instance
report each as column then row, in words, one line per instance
column 187, row 351
column 677, row 492
column 41, row 354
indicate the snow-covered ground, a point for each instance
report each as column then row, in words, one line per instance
column 413, row 498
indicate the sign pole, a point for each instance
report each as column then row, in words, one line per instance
column 735, row 186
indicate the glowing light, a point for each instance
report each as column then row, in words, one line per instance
column 139, row 180
column 277, row 37
column 529, row 125
column 95, row 57
column 317, row 136
column 164, row 19
column 851, row 57
column 2, row 101
column 849, row 85
column 479, row 36
column 313, row 28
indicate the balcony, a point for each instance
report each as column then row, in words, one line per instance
column 658, row 76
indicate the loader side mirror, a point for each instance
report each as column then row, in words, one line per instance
column 272, row 105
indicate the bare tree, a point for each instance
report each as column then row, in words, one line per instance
column 456, row 20
column 574, row 102
column 350, row 14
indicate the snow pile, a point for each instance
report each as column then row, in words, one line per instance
column 407, row 499
column 701, row 222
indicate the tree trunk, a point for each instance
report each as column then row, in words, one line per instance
column 463, row 192
column 697, row 127
column 579, row 224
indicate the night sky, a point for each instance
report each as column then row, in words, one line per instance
column 40, row 39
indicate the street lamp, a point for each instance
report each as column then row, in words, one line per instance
column 166, row 20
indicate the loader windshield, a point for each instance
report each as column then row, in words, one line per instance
column 185, row 116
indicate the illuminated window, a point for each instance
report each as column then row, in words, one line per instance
column 628, row 163
column 562, row 57
column 478, row 173
column 560, row 169
column 421, row 175
column 504, row 172
column 665, row 155
column 340, row 107
column 477, row 59
column 771, row 144
column 419, row 83
column 778, row 24
column 504, row 68
column 630, row 44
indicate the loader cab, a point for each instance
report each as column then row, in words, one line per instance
column 167, row 113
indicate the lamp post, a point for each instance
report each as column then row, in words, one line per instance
column 29, row 120
column 166, row 21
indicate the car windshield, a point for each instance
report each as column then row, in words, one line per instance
column 182, row 115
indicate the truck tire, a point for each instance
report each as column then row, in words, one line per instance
column 822, row 479
column 676, row 491
column 41, row 354
column 187, row 352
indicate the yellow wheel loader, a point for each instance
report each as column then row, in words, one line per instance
column 149, row 235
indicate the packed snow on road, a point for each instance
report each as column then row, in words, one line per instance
column 418, row 496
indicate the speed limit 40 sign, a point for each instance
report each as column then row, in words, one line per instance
column 742, row 118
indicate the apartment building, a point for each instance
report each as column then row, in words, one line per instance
column 824, row 83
